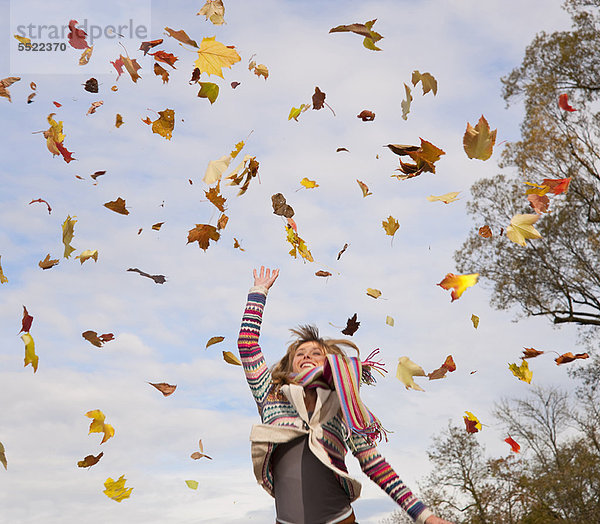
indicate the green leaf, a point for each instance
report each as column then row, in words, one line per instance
column 209, row 90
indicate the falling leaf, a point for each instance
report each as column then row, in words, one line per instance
column 352, row 324
column 31, row 97
column 96, row 174
column 98, row 341
column 54, row 139
column 389, row 321
column 146, row 46
column 236, row 245
column 536, row 189
column 116, row 490
column 132, row 67
column 209, row 90
column 425, row 156
column 390, row 226
column 366, row 116
column 539, row 203
column 342, row 251
column 250, row 165
column 364, row 188
column 515, row 447
column 557, row 185
column 563, row 103
column 118, row 121
column 446, row 198
column 164, row 388
column 76, row 36
column 26, row 321
column 309, row 184
column 23, row 39
column 485, row 231
column 118, row 65
column 475, row 320
column 364, row 30
column 222, row 222
column 30, row 356
column 158, row 279
column 94, row 106
column 157, row 226
column 295, row 111
column 230, row 358
column 234, row 85
column 318, row 99
column 478, row 141
column 99, row 426
column 68, row 230
column 375, row 293
column 91, row 85
column 472, row 423
column 181, row 36
column 214, row 196
column 340, row 149
column 214, row 340
column 162, row 72
column 192, row 484
column 118, row 206
column 86, row 55
column 165, row 58
column 213, row 56
column 203, row 234
column 198, row 455
column 3, row 279
column 521, row 227
column 213, row 10
column 260, row 70
column 405, row 372
column 41, row 201
column 522, row 372
column 459, row 283
column 164, row 124
column 216, row 168
column 428, row 82
column 405, row 104
column 3, row 456
column 531, row 353
column 280, row 207
column 437, row 374
column 90, row 460
column 322, row 273
column 47, row 263
column 448, row 365
column 298, row 245
column 5, row 83
column 569, row 357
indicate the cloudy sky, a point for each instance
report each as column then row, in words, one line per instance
column 161, row 330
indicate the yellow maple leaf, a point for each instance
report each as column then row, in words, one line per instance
column 116, row 490
column 478, row 141
column 30, row 356
column 405, row 372
column 390, row 225
column 213, row 10
column 68, row 230
column 238, row 147
column 298, row 245
column 522, row 372
column 87, row 254
column 213, row 56
column 521, row 227
column 459, row 283
column 3, row 279
column 446, row 198
column 308, row 184
column 99, row 426
column 164, row 124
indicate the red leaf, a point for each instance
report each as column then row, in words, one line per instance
column 563, row 103
column 44, row 202
column 449, row 364
column 77, row 36
column 513, row 444
column 66, row 154
column 167, row 58
column 557, row 185
column 26, row 322
column 57, row 104
column 146, row 46
column 118, row 63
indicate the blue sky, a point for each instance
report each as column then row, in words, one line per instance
column 161, row 330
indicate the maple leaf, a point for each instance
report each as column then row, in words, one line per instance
column 132, row 67
column 213, row 56
column 531, row 353
column 563, row 103
column 428, row 82
column 514, row 446
column 364, row 188
column 198, row 455
column 91, row 85
column 118, row 206
column 5, row 83
column 26, row 321
column 214, row 196
column 68, row 230
column 405, row 104
column 366, row 116
column 158, row 279
column 3, row 456
column 86, row 55
column 54, row 139
column 365, row 30
column 521, row 227
column 446, row 198
column 230, row 358
column 342, row 251
column 250, row 165
column 475, row 320
column 99, row 426
column 118, row 65
column 47, row 263
column 485, row 231
column 214, row 340
column 522, row 372
column 192, row 484
column 164, row 388
column 352, row 324
column 30, row 356
column 90, row 460
column 389, row 321
column 209, row 90
column 390, row 226
column 405, row 372
column 295, row 111
column 375, row 293
column 459, row 283
column 569, row 357
column 213, row 10
column 478, row 141
column 280, row 207
column 116, row 490
column 146, row 46
column 41, row 201
column 203, row 234
column 424, row 157
column 76, row 36
column 298, row 245
column 98, row 341
column 472, row 423
column 162, row 72
column 182, row 36
column 165, row 58
column 539, row 203
column 557, row 185
column 308, row 184
column 164, row 124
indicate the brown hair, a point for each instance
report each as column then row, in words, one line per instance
column 280, row 372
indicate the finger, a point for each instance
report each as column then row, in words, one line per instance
column 254, row 273
column 262, row 271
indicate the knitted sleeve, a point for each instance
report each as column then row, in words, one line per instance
column 380, row 472
column 255, row 367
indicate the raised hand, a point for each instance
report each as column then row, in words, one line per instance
column 265, row 278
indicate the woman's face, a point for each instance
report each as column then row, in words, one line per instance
column 309, row 354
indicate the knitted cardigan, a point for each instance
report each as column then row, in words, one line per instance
column 279, row 415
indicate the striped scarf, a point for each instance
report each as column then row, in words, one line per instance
column 344, row 374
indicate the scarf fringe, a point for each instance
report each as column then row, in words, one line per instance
column 368, row 365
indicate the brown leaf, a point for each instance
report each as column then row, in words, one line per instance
column 164, row 388
column 166, row 58
column 162, row 72
column 352, row 325
column 234, row 84
column 98, row 341
column 342, row 251
column 366, row 115
column 26, row 321
column 146, row 46
column 364, row 188
column 323, row 274
column 97, row 174
column 91, row 85
column 157, row 226
column 569, row 357
column 94, row 106
column 230, row 358
column 438, row 373
column 539, row 203
column 339, row 149
column 41, row 201
column 214, row 196
column 214, row 340
column 318, row 99
column 7, row 82
column 47, row 263
column 236, row 245
column 182, row 36
column 90, row 460
column 485, row 231
column 222, row 222
column 280, row 207
column 195, row 76
column 531, row 353
column 31, row 97
column 203, row 234
column 158, row 279
column 118, row 206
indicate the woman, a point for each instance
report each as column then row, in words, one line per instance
column 311, row 414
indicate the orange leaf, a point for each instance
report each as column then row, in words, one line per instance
column 215, row 197
column 203, row 234
column 513, row 444
column 485, row 231
column 366, row 116
column 531, row 353
column 118, row 206
column 90, row 460
column 557, row 185
column 459, row 283
column 569, row 357
column 164, row 388
column 167, row 58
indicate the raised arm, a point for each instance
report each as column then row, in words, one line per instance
column 255, row 367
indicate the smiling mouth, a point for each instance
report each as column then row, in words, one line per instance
column 308, row 364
